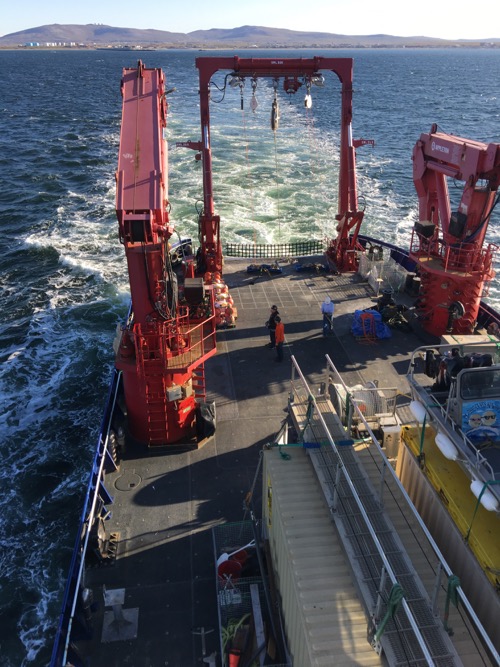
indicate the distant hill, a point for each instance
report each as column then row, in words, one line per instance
column 91, row 34
column 98, row 35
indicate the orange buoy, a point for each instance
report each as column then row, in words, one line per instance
column 234, row 657
column 229, row 569
column 240, row 557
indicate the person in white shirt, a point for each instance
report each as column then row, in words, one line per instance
column 327, row 308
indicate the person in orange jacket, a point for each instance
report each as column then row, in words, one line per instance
column 280, row 337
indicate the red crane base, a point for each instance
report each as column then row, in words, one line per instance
column 448, row 302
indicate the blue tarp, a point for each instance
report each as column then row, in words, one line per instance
column 381, row 328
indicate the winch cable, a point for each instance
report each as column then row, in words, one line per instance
column 317, row 174
column 249, row 178
column 275, row 117
column 277, row 184
column 313, row 148
column 314, row 153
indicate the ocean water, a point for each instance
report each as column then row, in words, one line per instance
column 63, row 276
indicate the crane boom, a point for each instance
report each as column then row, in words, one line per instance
column 142, row 184
column 171, row 330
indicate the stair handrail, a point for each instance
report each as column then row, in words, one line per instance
column 442, row 560
column 387, row 566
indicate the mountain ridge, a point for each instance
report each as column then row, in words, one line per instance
column 98, row 35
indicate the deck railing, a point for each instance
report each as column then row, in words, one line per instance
column 95, row 501
column 441, row 410
column 276, row 250
column 333, row 379
column 303, row 394
column 468, row 258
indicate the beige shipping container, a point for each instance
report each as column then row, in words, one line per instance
column 325, row 622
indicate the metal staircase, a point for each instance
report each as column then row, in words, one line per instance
column 413, row 634
column 409, row 632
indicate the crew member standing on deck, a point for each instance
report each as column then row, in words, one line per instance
column 271, row 325
column 280, row 337
column 327, row 309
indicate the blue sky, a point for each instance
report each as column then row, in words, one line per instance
column 449, row 19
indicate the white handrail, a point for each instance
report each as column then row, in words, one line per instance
column 380, row 549
column 463, row 598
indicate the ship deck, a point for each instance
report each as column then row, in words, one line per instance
column 166, row 503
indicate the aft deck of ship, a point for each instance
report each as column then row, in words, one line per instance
column 156, row 603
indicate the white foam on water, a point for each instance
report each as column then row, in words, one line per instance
column 35, row 622
column 39, row 388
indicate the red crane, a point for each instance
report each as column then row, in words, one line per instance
column 448, row 245
column 294, row 72
column 171, row 329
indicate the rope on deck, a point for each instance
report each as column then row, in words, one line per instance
column 451, row 596
column 397, row 594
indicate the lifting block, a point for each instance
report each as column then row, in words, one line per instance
column 194, row 290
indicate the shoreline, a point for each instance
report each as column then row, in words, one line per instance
column 227, row 47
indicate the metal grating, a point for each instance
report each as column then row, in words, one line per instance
column 230, row 536
column 372, row 546
column 277, row 250
column 399, row 641
column 234, row 598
